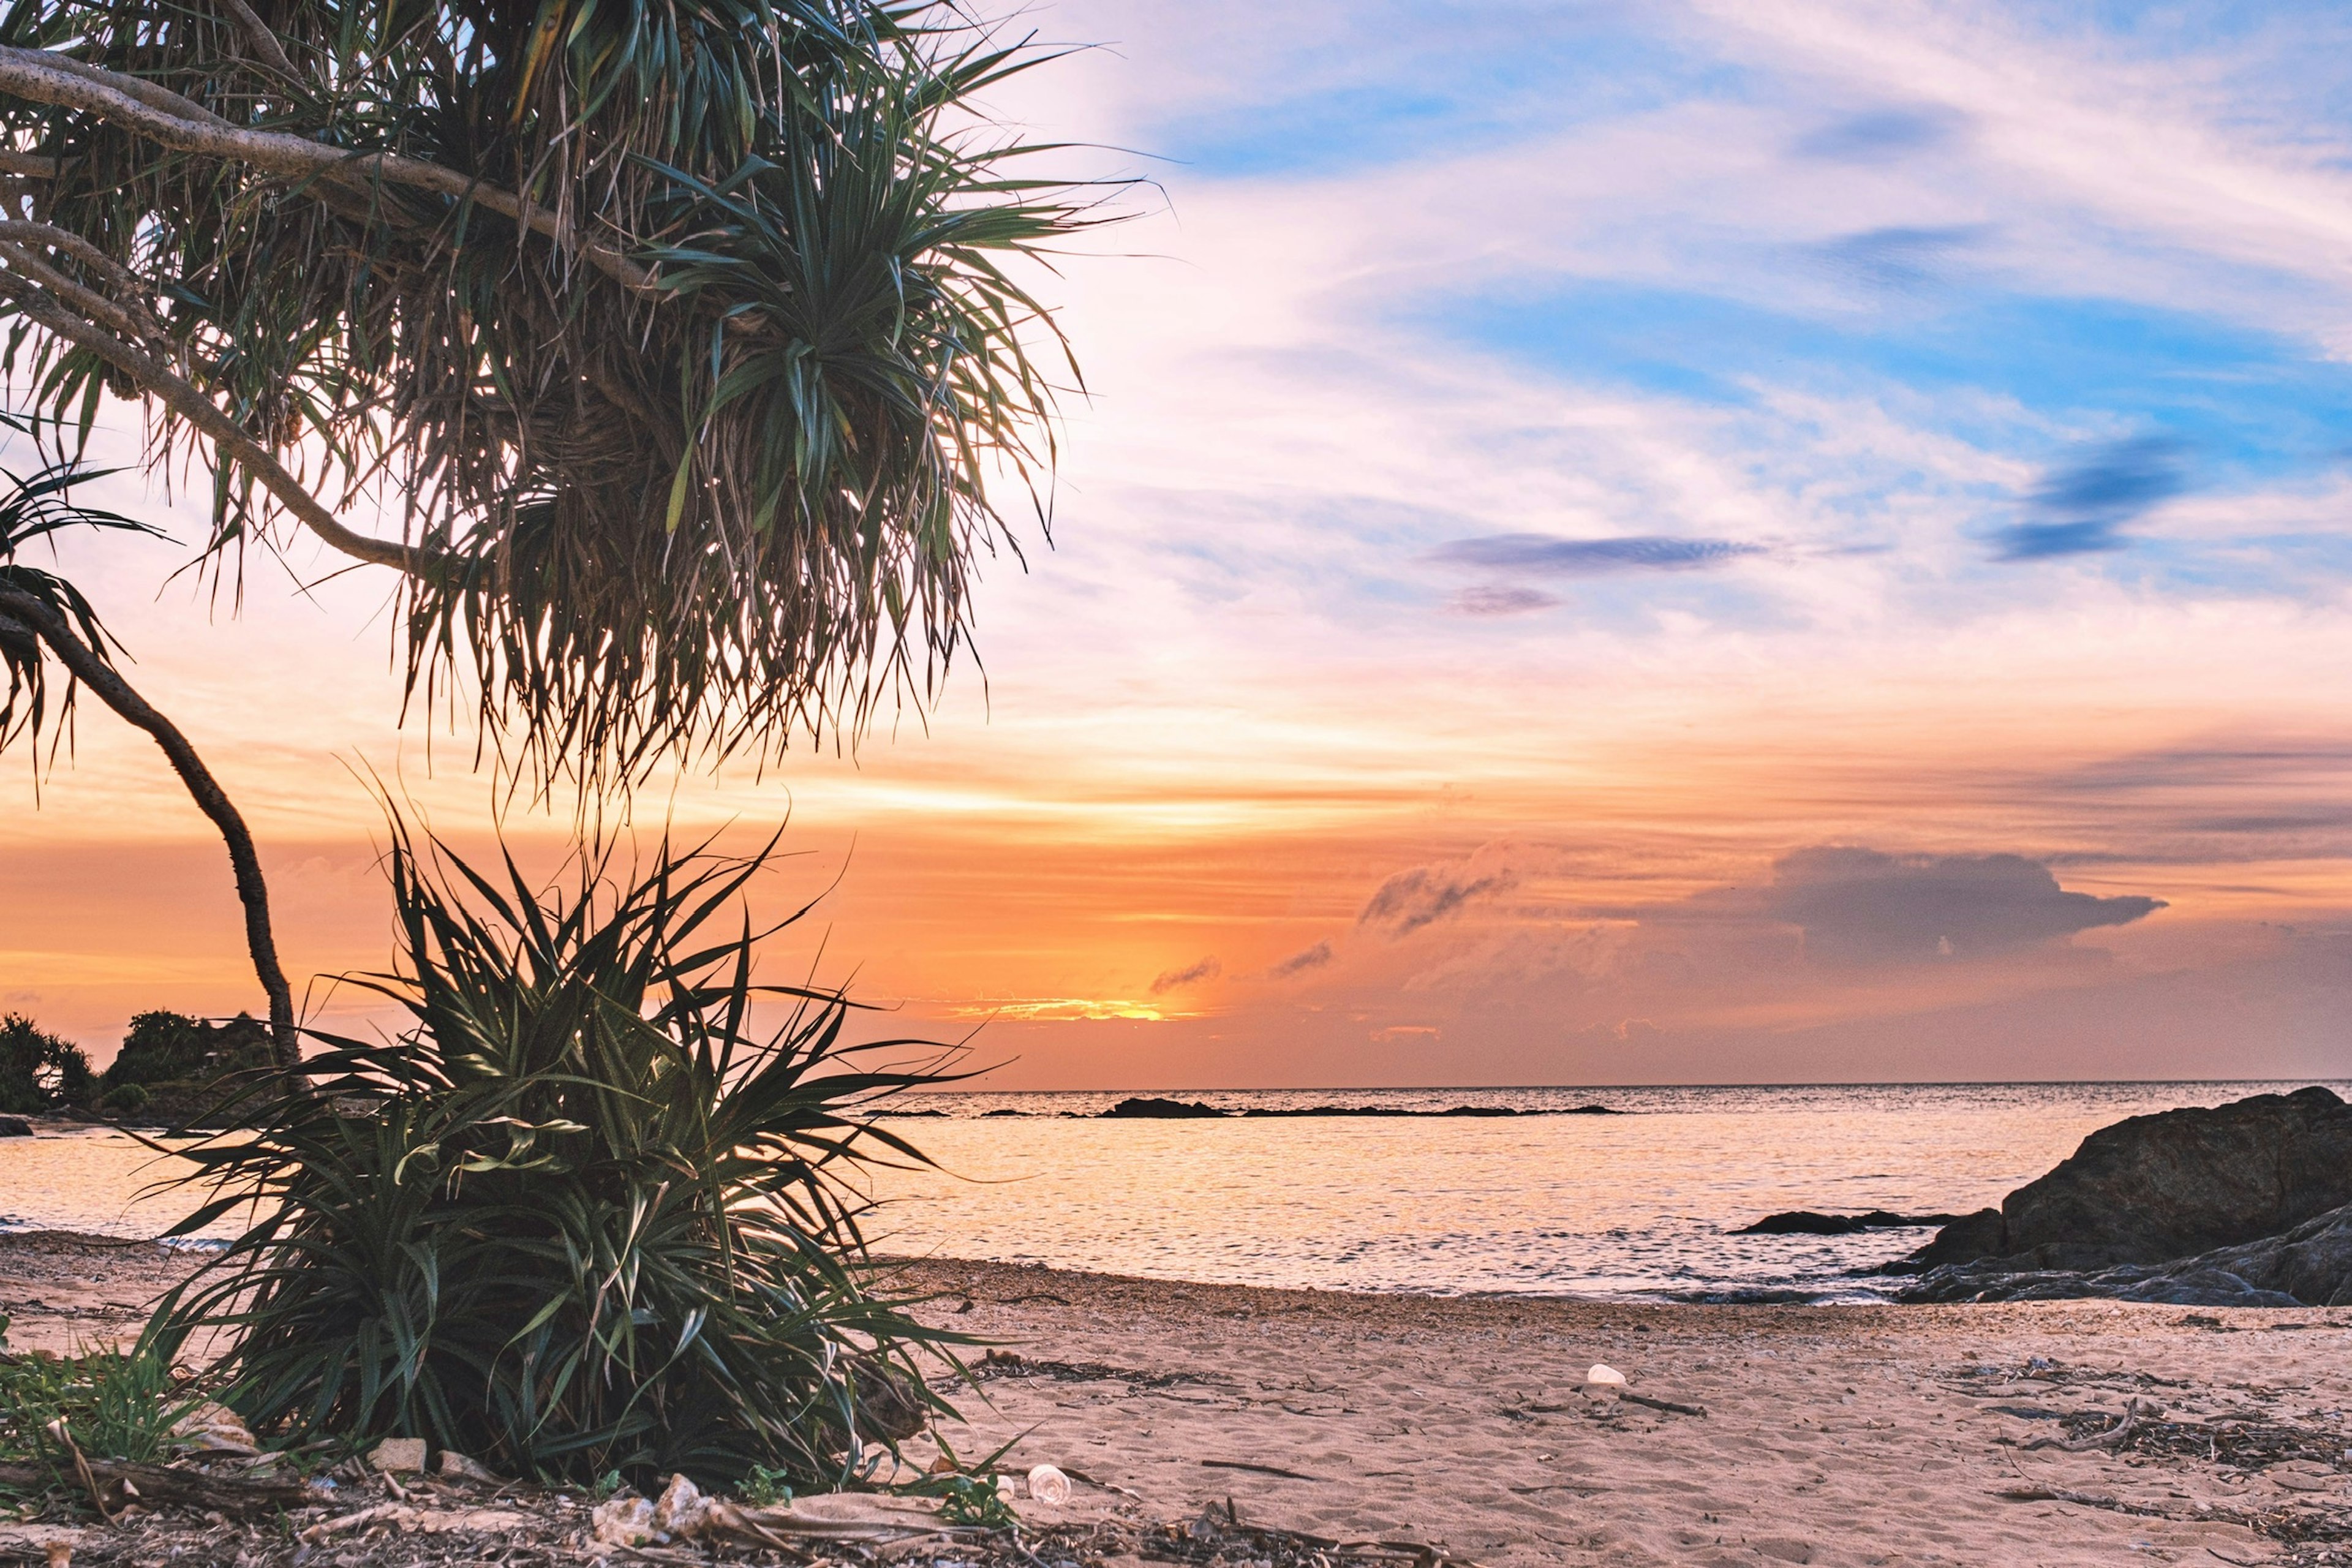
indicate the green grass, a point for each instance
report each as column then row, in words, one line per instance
column 116, row 1404
column 585, row 1213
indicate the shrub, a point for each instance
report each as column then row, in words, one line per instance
column 39, row 1071
column 127, row 1098
column 578, row 1217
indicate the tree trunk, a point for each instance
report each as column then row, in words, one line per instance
column 23, row 619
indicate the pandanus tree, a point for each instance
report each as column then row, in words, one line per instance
column 678, row 348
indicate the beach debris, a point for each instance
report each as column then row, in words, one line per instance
column 396, row 1455
column 2124, row 1427
column 1011, row 1363
column 209, row 1429
column 1604, row 1382
column 1048, row 1486
column 412, row 1521
column 1676, row 1407
column 1257, row 1469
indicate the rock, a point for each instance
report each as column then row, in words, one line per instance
column 458, row 1466
column 1152, row 1108
column 396, row 1455
column 1967, row 1238
column 210, row 1429
column 1805, row 1222
column 626, row 1521
column 15, row 1127
column 2172, row 1185
column 2310, row 1266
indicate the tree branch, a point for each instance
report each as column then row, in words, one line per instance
column 229, row 439
column 22, row 615
column 42, row 76
column 257, row 33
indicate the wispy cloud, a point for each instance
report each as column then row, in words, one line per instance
column 1191, row 974
column 1493, row 599
column 1427, row 894
column 1549, row 556
column 1881, row 135
column 1316, row 957
column 2081, row 506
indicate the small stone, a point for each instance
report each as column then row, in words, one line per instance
column 395, row 1455
column 458, row 1466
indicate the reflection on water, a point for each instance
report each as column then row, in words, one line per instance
column 1636, row 1207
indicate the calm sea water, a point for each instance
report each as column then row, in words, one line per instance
column 1638, row 1206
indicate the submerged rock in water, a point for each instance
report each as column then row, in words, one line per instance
column 1805, row 1222
column 2154, row 1189
column 2310, row 1266
column 1154, row 1107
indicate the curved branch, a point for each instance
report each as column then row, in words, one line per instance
column 22, row 617
column 257, row 34
column 75, row 246
column 229, row 438
column 98, row 307
column 42, row 76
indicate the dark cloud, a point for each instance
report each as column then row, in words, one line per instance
column 1412, row 900
column 1315, row 957
column 1859, row 906
column 2079, row 507
column 1191, row 974
column 1899, row 260
column 1881, row 135
column 1492, row 599
column 1550, row 556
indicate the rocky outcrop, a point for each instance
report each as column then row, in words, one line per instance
column 1152, row 1108
column 1805, row 1222
column 2159, row 1188
column 15, row 1127
column 2310, row 1266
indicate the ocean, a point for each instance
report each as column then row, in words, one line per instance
column 1637, row 1206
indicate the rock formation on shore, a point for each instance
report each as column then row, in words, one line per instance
column 1805, row 1222
column 2310, row 1266
column 2239, row 1204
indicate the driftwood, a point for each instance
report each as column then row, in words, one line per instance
column 118, row 1482
column 1631, row 1398
column 2106, row 1439
column 1257, row 1469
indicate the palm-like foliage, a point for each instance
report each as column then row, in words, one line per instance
column 32, row 510
column 682, row 333
column 45, row 620
column 581, row 1217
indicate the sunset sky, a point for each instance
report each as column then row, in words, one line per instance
column 1608, row 543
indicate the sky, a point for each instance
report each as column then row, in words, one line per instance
column 1605, row 543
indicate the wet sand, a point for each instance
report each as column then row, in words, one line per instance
column 1832, row 1436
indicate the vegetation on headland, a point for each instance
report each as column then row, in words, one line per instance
column 40, row 1071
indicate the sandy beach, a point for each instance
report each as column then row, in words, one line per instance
column 1831, row 1435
